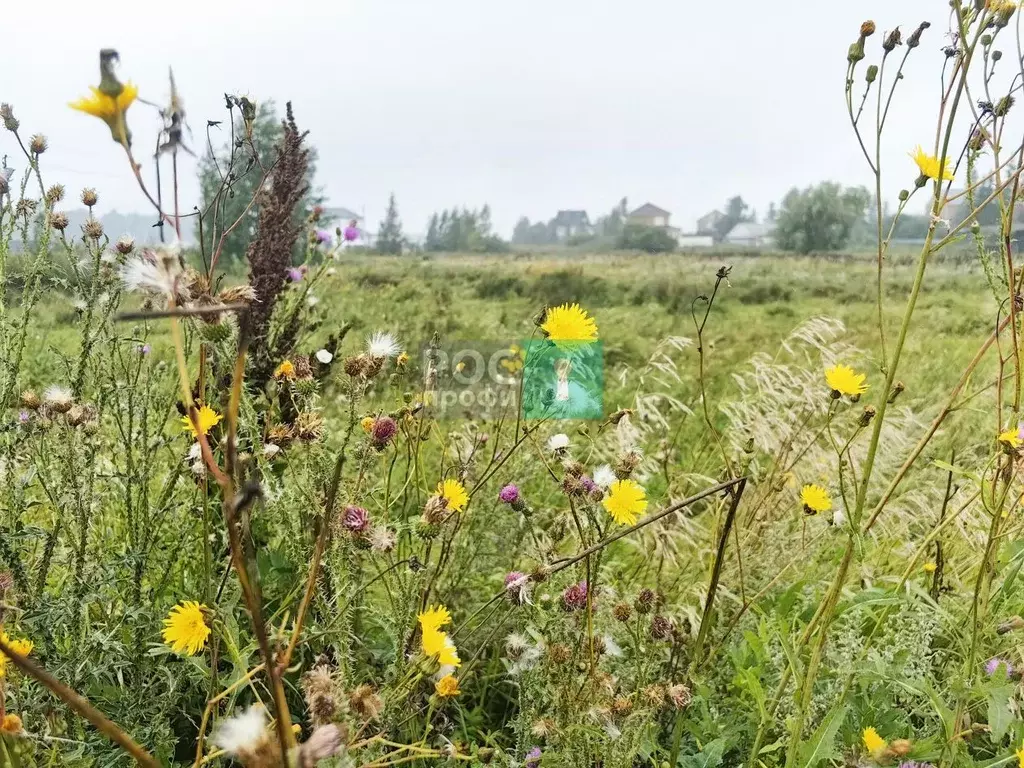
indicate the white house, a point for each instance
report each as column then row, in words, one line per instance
column 750, row 234
column 691, row 240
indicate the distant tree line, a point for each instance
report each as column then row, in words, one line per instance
column 463, row 229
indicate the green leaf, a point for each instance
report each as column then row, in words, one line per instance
column 999, row 716
column 955, row 470
column 709, row 757
column 821, row 745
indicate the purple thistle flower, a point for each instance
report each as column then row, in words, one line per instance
column 509, row 494
column 915, row 764
column 993, row 664
column 351, row 233
column 323, row 237
column 295, row 274
column 144, row 349
column 588, row 485
column 383, row 429
column 574, row 598
column 23, row 417
column 356, row 519
column 533, row 758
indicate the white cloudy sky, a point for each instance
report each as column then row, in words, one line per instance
column 530, row 105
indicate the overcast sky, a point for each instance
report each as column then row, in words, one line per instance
column 530, row 105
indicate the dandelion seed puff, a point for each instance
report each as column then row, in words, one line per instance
column 382, row 344
column 155, row 271
column 611, row 647
column 604, row 476
column 242, row 733
column 558, row 442
column 324, row 357
column 58, row 398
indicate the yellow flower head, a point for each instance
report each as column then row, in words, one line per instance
column 21, row 647
column 367, row 424
column 110, row 109
column 873, row 743
column 185, row 629
column 434, row 618
column 1011, row 437
column 454, row 493
column 569, row 323
column 929, row 165
column 1002, row 7
column 437, row 644
column 1020, row 757
column 815, row 499
column 929, row 567
column 402, row 359
column 11, row 724
column 843, row 380
column 625, row 501
column 447, row 686
column 286, row 370
column 208, row 419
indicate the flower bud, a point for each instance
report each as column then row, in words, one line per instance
column 997, row 55
column 867, row 29
column 867, row 415
column 897, row 389
column 872, row 73
column 124, row 245
column 93, row 228
column 904, row 195
column 856, row 52
column 892, row 40
column 37, row 144
column 915, row 37
column 89, row 197
column 7, row 115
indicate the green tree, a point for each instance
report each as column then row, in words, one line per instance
column 463, row 230
column 820, row 218
column 389, row 236
column 736, row 211
column 236, row 192
column 637, row 237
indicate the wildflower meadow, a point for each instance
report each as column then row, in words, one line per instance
column 314, row 506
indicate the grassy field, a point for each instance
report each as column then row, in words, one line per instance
column 677, row 682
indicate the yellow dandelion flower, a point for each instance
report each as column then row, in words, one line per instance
column 438, row 645
column 1020, row 756
column 21, row 647
column 873, row 743
column 208, row 419
column 447, row 686
column 110, row 109
column 434, row 618
column 367, row 424
column 11, row 724
column 286, row 370
column 402, row 359
column 453, row 492
column 1010, row 437
column 569, row 322
column 625, row 502
column 815, row 499
column 185, row 629
column 842, row 379
column 929, row 567
column 929, row 165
